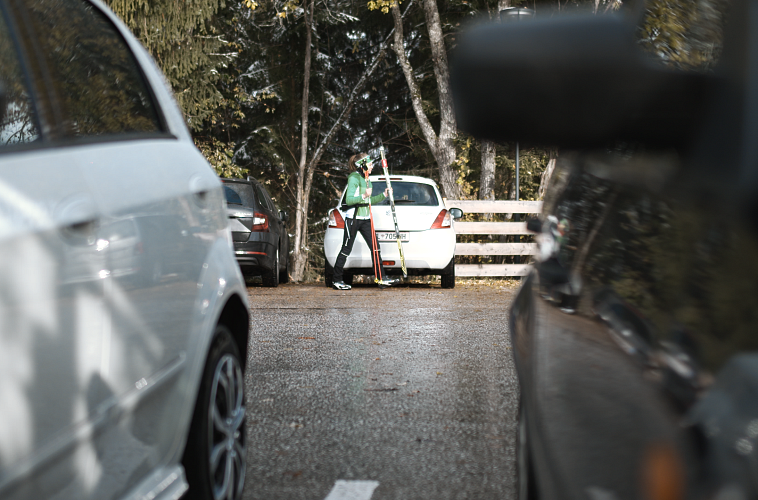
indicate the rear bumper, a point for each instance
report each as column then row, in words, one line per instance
column 255, row 256
column 426, row 252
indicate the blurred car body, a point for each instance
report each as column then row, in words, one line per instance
column 634, row 338
column 426, row 230
column 123, row 314
column 259, row 231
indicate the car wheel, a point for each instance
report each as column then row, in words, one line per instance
column 215, row 457
column 284, row 276
column 348, row 279
column 272, row 278
column 328, row 274
column 448, row 275
column 525, row 484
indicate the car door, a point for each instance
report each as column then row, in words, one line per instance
column 143, row 176
column 52, row 308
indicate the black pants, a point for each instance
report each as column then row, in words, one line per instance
column 352, row 228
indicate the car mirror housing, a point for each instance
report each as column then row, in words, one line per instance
column 534, row 225
column 456, row 213
column 578, row 82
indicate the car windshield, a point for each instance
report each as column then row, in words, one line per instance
column 239, row 194
column 407, row 193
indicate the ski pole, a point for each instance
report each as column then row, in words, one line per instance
column 394, row 215
column 375, row 254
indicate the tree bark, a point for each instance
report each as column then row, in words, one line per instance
column 547, row 174
column 442, row 145
column 301, row 198
column 487, row 179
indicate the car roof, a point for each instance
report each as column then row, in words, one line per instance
column 405, row 178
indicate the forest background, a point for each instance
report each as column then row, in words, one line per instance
column 285, row 91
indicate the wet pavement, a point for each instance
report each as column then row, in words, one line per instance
column 411, row 390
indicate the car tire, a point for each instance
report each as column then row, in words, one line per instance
column 272, row 277
column 348, row 279
column 328, row 274
column 447, row 278
column 217, row 432
column 284, row 276
column 526, row 486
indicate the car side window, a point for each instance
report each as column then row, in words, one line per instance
column 96, row 79
column 18, row 123
column 263, row 196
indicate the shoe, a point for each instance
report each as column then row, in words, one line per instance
column 341, row 285
column 386, row 283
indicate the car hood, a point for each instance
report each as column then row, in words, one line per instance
column 408, row 218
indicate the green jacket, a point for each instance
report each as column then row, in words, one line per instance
column 356, row 186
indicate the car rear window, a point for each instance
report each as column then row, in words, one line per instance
column 239, row 194
column 408, row 193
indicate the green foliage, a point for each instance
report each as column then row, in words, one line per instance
column 683, row 33
column 221, row 157
column 187, row 46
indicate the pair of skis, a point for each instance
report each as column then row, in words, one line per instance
column 394, row 219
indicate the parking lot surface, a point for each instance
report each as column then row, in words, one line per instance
column 404, row 393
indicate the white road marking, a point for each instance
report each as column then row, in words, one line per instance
column 352, row 490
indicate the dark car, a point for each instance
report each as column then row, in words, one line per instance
column 259, row 231
column 635, row 338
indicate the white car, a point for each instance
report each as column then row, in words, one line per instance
column 123, row 312
column 426, row 231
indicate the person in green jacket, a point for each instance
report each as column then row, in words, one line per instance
column 358, row 219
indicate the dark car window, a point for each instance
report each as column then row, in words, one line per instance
column 407, row 193
column 18, row 123
column 239, row 194
column 263, row 197
column 96, row 78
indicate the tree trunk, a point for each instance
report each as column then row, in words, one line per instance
column 301, row 196
column 300, row 253
column 487, row 179
column 547, row 174
column 442, row 145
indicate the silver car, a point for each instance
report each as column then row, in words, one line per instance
column 123, row 313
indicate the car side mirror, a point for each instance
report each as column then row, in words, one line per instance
column 534, row 225
column 284, row 216
column 580, row 81
column 456, row 213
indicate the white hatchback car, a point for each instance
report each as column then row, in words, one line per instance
column 426, row 231
column 123, row 313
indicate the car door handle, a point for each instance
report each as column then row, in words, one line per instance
column 200, row 186
column 78, row 220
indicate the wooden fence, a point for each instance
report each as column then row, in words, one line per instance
column 495, row 229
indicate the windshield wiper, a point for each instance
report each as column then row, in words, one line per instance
column 404, row 201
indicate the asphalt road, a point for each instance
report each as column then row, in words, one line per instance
column 406, row 393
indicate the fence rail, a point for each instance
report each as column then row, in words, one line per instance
column 494, row 228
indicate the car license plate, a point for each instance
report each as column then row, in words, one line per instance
column 391, row 237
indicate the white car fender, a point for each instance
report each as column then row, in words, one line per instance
column 220, row 282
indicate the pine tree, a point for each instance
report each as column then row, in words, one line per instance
column 186, row 44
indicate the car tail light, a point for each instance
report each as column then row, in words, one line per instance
column 336, row 220
column 443, row 220
column 260, row 222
